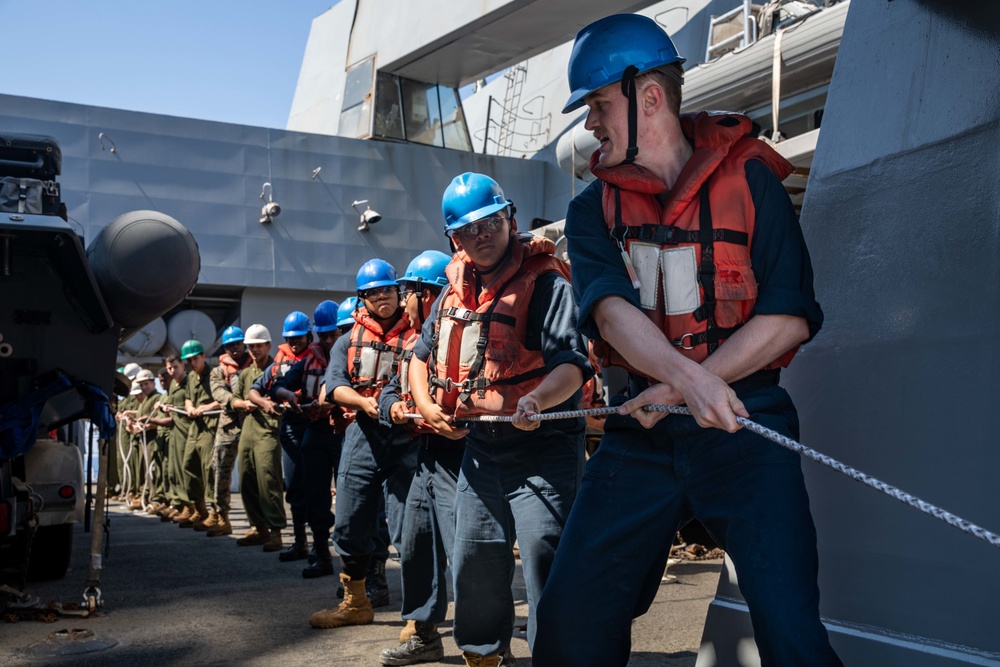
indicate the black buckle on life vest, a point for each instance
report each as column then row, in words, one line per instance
column 457, row 313
column 660, row 234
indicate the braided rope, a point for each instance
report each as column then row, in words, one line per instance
column 184, row 412
column 784, row 441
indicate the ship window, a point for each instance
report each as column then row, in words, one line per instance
column 355, row 115
column 456, row 133
column 422, row 112
column 388, row 108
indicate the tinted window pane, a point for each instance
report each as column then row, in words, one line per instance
column 388, row 110
column 422, row 117
column 456, row 134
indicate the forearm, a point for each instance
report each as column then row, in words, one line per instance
column 348, row 398
column 644, row 347
column 558, row 386
column 760, row 341
column 287, row 395
column 256, row 398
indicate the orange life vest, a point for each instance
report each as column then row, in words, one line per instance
column 416, row 427
column 373, row 355
column 283, row 362
column 230, row 369
column 480, row 363
column 313, row 371
column 690, row 245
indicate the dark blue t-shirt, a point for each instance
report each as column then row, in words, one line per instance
column 778, row 255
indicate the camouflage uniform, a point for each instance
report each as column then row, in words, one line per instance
column 227, row 437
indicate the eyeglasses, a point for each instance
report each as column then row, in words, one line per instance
column 490, row 225
column 388, row 290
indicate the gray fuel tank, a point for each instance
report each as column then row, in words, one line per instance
column 145, row 263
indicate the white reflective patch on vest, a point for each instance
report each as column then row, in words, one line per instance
column 444, row 338
column 404, row 378
column 470, row 336
column 646, row 262
column 679, row 269
column 369, row 357
column 385, row 360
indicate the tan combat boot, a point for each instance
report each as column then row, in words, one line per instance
column 208, row 524
column 476, row 660
column 254, row 537
column 408, row 631
column 222, row 526
column 184, row 514
column 199, row 515
column 354, row 610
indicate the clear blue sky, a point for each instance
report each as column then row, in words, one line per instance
column 235, row 61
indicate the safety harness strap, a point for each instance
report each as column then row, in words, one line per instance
column 671, row 235
column 487, row 319
column 706, row 271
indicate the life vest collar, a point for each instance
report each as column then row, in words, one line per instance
column 462, row 272
column 365, row 319
column 714, row 135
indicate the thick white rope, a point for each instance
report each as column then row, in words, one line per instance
column 784, row 441
column 126, row 456
column 184, row 412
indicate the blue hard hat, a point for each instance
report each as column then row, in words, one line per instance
column 325, row 316
column 427, row 268
column 232, row 334
column 605, row 49
column 375, row 273
column 346, row 311
column 296, row 324
column 471, row 197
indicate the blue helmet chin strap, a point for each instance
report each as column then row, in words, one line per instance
column 628, row 90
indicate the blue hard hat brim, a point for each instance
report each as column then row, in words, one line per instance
column 576, row 100
column 478, row 214
column 330, row 327
column 296, row 332
column 438, row 282
column 377, row 283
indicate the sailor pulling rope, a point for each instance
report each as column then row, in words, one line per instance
column 784, row 441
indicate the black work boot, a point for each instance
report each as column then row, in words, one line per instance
column 320, row 563
column 299, row 549
column 376, row 587
column 423, row 646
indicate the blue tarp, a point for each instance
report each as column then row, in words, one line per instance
column 19, row 419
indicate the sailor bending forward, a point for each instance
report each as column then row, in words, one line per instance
column 689, row 264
